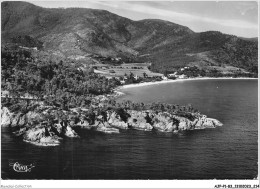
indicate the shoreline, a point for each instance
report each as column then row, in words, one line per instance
column 117, row 90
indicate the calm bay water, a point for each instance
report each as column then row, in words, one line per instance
column 227, row 152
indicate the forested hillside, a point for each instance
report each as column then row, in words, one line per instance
column 81, row 32
column 62, row 84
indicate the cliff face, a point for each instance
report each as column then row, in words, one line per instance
column 37, row 130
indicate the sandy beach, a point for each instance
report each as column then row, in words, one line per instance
column 171, row 81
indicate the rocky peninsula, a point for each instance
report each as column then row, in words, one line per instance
column 48, row 125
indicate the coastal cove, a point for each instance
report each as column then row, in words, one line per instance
column 160, row 94
column 233, row 101
column 180, row 80
column 134, row 154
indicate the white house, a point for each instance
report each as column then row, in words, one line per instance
column 164, row 78
column 182, row 76
column 173, row 74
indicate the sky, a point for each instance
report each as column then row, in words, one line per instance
column 232, row 17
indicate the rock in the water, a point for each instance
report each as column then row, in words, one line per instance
column 105, row 128
column 139, row 125
column 84, row 124
column 211, row 123
column 143, row 126
column 20, row 132
column 69, row 132
column 58, row 128
column 22, row 120
column 38, row 136
column 34, row 134
column 46, row 141
column 204, row 122
column 18, row 120
column 6, row 116
column 15, row 119
column 49, row 141
column 217, row 122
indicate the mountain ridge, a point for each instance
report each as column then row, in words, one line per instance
column 81, row 31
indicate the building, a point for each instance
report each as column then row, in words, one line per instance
column 164, row 78
column 182, row 76
column 172, row 75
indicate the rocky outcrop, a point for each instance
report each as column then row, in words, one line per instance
column 140, row 125
column 58, row 128
column 46, row 136
column 84, row 124
column 49, row 141
column 19, row 119
column 138, row 121
column 41, row 137
column 33, row 117
column 183, row 123
column 204, row 122
column 116, row 121
column 36, row 130
column 6, row 117
column 69, row 132
column 106, row 128
column 166, row 122
column 20, row 132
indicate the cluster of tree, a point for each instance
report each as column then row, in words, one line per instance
column 58, row 83
column 196, row 72
column 192, row 72
column 156, row 106
column 130, row 79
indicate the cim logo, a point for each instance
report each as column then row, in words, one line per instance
column 17, row 167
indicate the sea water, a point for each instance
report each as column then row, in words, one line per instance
column 227, row 152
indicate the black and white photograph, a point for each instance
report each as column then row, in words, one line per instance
column 146, row 94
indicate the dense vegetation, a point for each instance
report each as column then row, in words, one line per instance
column 79, row 32
column 59, row 83
column 196, row 72
column 130, row 79
column 72, row 33
column 205, row 49
column 238, row 53
column 62, row 85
